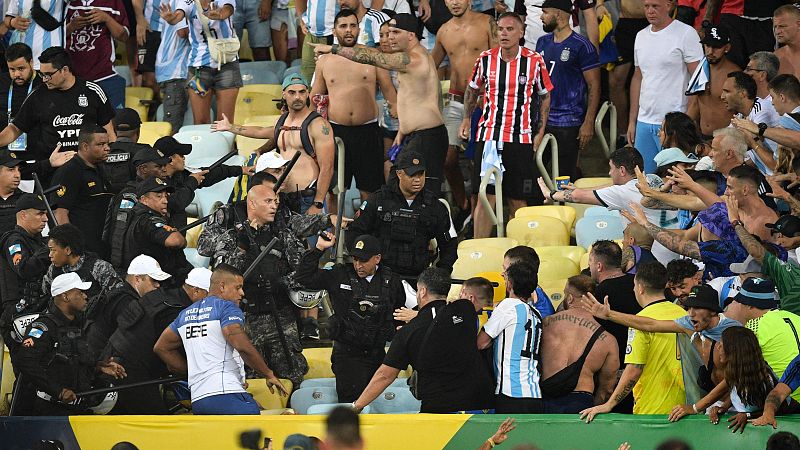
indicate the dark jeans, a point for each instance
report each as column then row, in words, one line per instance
column 568, row 150
column 353, row 369
column 510, row 405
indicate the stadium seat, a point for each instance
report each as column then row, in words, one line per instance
column 565, row 214
column 135, row 103
column 257, row 387
column 246, row 145
column 193, row 234
column 297, row 62
column 144, row 93
column 396, row 400
column 289, row 71
column 593, row 228
column 572, row 252
column 259, row 72
column 229, row 137
column 475, row 260
column 318, row 382
column 584, row 264
column 245, row 52
column 150, row 132
column 319, row 362
column 588, row 183
column 555, row 268
column 206, row 145
column 195, row 259
column 124, row 72
column 503, row 243
column 497, row 277
column 554, row 289
column 538, row 231
column 7, row 384
column 600, row 211
column 325, row 408
column 304, row 398
column 257, row 100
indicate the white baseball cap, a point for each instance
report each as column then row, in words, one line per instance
column 270, row 160
column 66, row 282
column 147, row 265
column 199, row 277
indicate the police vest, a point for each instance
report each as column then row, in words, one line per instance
column 136, row 332
column 368, row 323
column 118, row 166
column 85, row 272
column 304, row 137
column 120, row 214
column 70, row 359
column 402, row 231
column 13, row 287
column 265, row 285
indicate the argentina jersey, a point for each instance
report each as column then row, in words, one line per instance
column 215, row 367
column 36, row 37
column 370, row 28
column 319, row 16
column 199, row 56
column 173, row 53
column 152, row 14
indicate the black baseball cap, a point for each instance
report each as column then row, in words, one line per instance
column 153, row 184
column 406, row 22
column 149, row 154
column 127, row 119
column 716, row 37
column 788, row 226
column 411, row 162
column 169, row 146
column 758, row 293
column 703, row 296
column 30, row 201
column 563, row 5
column 365, row 247
column 9, row 159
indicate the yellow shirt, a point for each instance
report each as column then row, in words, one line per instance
column 661, row 385
column 775, row 331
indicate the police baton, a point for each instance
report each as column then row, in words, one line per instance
column 282, row 178
column 220, row 161
column 260, row 256
column 122, row 387
column 338, row 231
column 452, row 280
column 197, row 222
column 38, row 186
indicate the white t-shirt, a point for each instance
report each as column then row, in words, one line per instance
column 215, row 367
column 517, row 332
column 764, row 111
column 726, row 287
column 662, row 57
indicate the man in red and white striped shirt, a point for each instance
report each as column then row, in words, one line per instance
column 516, row 103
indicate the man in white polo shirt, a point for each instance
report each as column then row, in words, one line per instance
column 217, row 348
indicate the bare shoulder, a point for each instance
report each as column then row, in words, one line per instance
column 320, row 127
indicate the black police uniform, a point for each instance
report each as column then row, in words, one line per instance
column 139, row 326
column 55, row 356
column 8, row 212
column 102, row 316
column 119, row 215
column 119, row 163
column 362, row 322
column 405, row 231
column 146, row 235
column 185, row 185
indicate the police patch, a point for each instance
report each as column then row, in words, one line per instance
column 16, row 248
column 61, row 191
column 35, row 333
column 91, row 184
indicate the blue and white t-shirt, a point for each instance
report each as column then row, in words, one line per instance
column 370, row 28
column 319, row 16
column 36, row 37
column 152, row 14
column 517, row 332
column 199, row 56
column 173, row 53
column 215, row 367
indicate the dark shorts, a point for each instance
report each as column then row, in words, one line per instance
column 625, row 36
column 568, row 150
column 747, row 37
column 363, row 156
column 175, row 100
column 572, row 403
column 510, row 405
column 432, row 144
column 519, row 177
column 388, row 134
column 228, row 76
column 147, row 53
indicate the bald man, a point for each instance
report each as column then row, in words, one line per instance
column 786, row 26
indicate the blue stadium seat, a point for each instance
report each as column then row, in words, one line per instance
column 396, row 400
column 291, row 70
column 255, row 71
column 230, row 137
column 297, row 62
column 124, row 72
column 326, row 408
column 195, row 258
column 590, row 229
column 318, row 382
column 206, row 197
column 600, row 211
column 205, row 145
column 304, row 398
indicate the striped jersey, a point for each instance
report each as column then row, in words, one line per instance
column 510, row 106
column 151, row 14
column 36, row 37
column 319, row 16
column 215, row 367
column 517, row 332
column 173, row 52
column 199, row 56
column 369, row 29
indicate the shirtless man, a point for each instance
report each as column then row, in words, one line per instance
column 631, row 21
column 707, row 106
column 314, row 170
column 422, row 127
column 786, row 25
column 353, row 111
column 566, row 335
column 461, row 39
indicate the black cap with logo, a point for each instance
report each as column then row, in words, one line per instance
column 153, row 184
column 788, row 226
column 410, row 162
column 716, row 36
column 9, row 159
column 30, row 201
column 365, row 247
column 703, row 296
column 169, row 146
column 149, row 154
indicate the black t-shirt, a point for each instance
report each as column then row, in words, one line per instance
column 8, row 212
column 18, row 95
column 60, row 115
column 85, row 193
column 451, row 375
column 621, row 298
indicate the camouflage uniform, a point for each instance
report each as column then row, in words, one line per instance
column 264, row 334
column 90, row 268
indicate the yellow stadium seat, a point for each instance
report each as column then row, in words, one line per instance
column 501, row 243
column 555, row 268
column 565, row 214
column 144, row 93
column 475, row 260
column 496, row 277
column 257, row 100
column 193, row 234
column 247, row 145
column 555, row 290
column 572, row 252
column 445, row 86
column 319, row 362
column 245, row 52
column 150, row 132
column 588, row 183
column 538, row 231
column 584, row 261
column 257, row 387
column 135, row 104
column 7, row 384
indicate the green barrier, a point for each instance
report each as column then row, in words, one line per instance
column 608, row 431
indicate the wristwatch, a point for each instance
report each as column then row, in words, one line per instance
column 318, row 205
column 762, row 128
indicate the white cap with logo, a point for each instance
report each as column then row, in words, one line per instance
column 147, row 265
column 270, row 160
column 199, row 277
column 66, row 282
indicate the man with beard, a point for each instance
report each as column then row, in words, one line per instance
column 18, row 83
column 353, row 111
column 461, row 39
column 302, row 130
column 707, row 107
column 422, row 127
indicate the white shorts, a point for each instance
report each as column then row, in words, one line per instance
column 453, row 115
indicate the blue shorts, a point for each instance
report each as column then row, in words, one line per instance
column 245, row 15
column 241, row 403
column 648, row 144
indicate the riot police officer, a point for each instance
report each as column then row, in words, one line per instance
column 10, row 176
column 405, row 216
column 53, row 358
column 119, row 163
column 363, row 296
column 148, row 232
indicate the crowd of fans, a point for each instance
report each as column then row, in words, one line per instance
column 694, row 311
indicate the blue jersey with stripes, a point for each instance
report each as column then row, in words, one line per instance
column 36, row 37
column 199, row 56
column 516, row 328
column 319, row 16
column 152, row 14
column 173, row 54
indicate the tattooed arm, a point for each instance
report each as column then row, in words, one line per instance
column 674, row 242
column 774, row 400
column 630, row 376
column 322, row 139
column 753, row 247
column 390, row 61
column 628, row 258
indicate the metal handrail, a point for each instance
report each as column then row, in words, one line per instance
column 611, row 143
column 548, row 180
column 495, row 216
column 340, row 186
